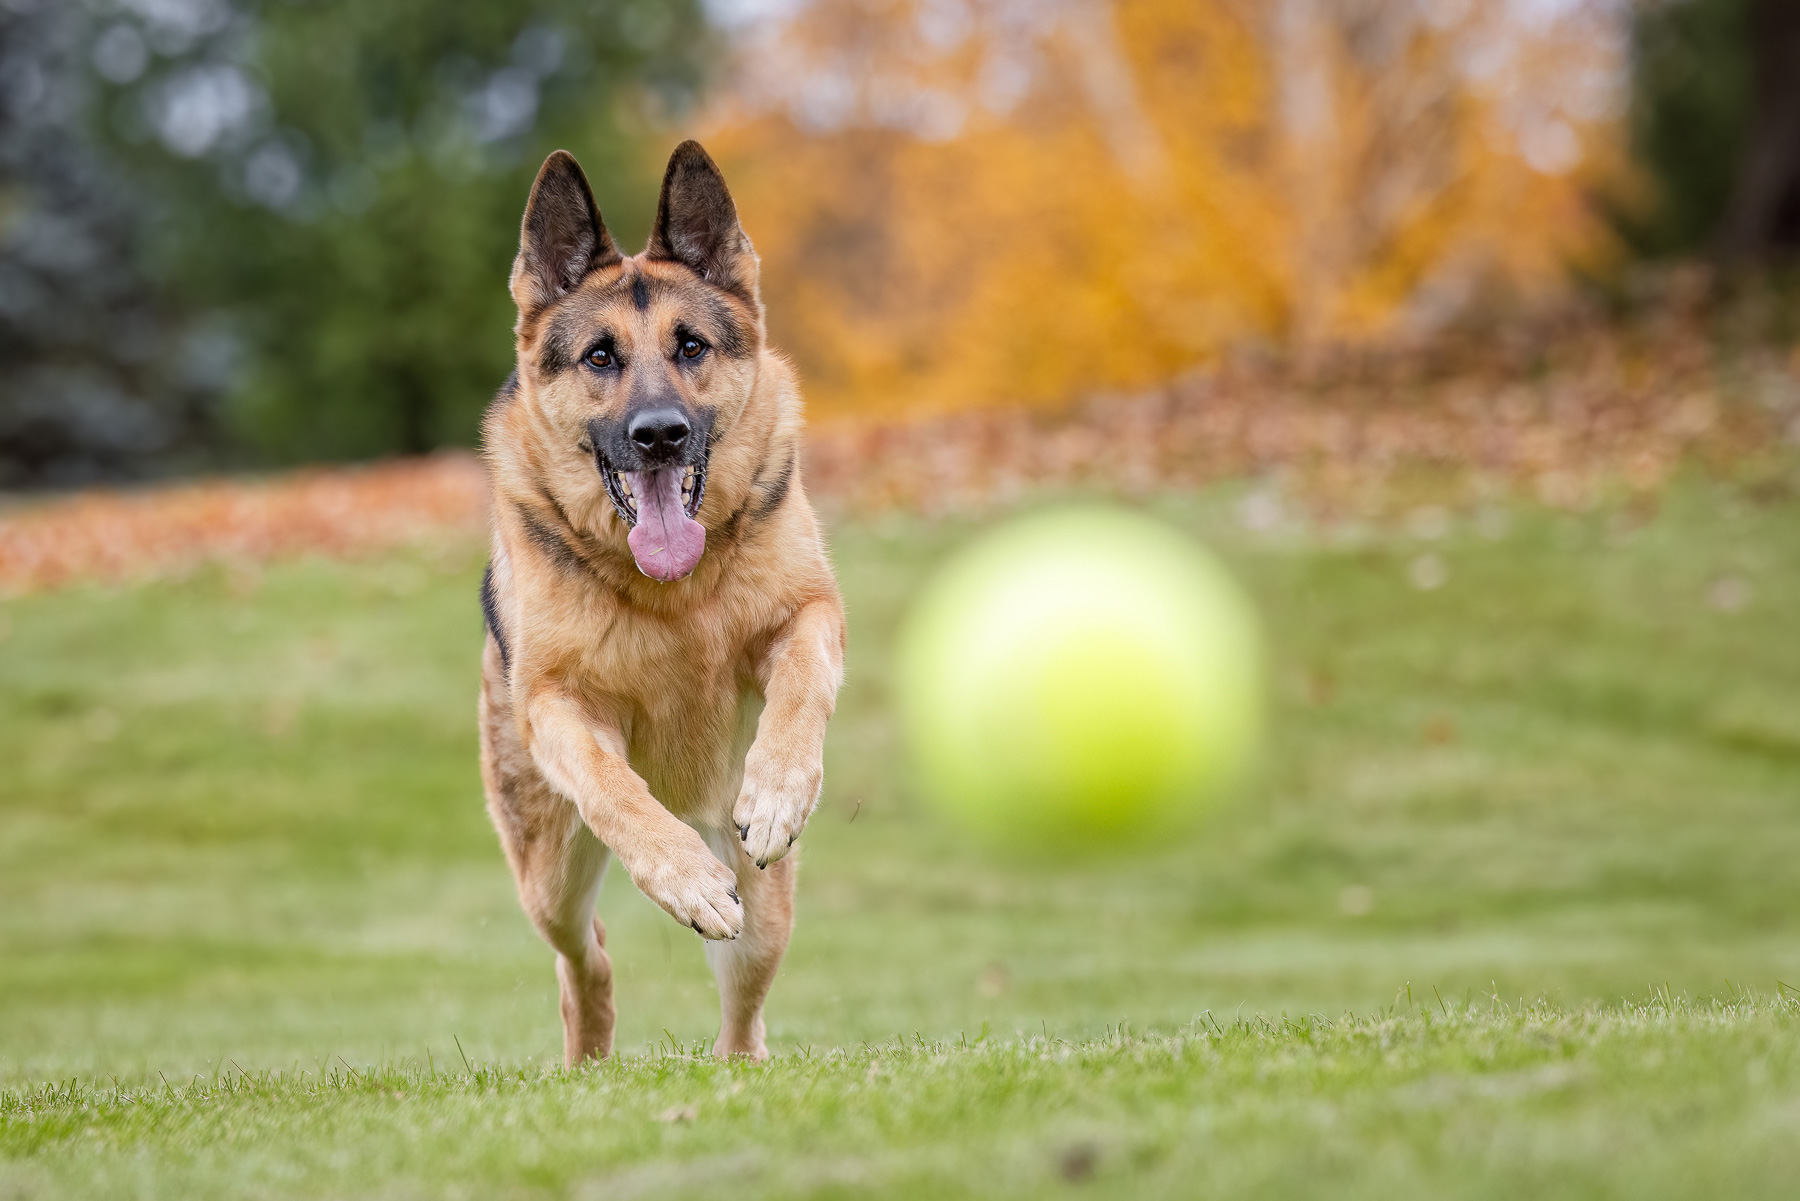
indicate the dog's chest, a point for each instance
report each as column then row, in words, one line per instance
column 690, row 701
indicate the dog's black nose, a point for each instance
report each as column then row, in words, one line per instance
column 658, row 432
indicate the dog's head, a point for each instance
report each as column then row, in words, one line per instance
column 636, row 364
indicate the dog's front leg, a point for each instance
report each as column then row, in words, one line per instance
column 668, row 861
column 800, row 675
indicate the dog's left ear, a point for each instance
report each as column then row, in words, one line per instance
column 697, row 225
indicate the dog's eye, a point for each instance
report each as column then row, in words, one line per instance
column 600, row 356
column 691, row 348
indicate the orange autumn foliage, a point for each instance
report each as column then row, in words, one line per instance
column 970, row 202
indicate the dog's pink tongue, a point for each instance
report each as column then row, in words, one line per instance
column 666, row 542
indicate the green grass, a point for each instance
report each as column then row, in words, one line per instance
column 1515, row 835
column 1660, row 1100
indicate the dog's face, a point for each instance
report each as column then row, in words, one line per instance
column 637, row 365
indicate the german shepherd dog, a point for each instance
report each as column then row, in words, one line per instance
column 665, row 638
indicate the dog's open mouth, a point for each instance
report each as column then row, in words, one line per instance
column 660, row 506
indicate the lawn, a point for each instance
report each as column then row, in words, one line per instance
column 1513, row 909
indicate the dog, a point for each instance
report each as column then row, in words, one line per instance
column 665, row 637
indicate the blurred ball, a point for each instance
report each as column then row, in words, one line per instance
column 1080, row 678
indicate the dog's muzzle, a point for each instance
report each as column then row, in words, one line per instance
column 657, row 482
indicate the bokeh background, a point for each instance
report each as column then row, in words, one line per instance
column 242, row 233
column 1464, row 329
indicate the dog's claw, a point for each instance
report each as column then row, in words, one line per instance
column 761, row 863
column 734, row 896
column 791, row 838
column 744, row 832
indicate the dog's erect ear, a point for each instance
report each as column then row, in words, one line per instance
column 697, row 224
column 562, row 238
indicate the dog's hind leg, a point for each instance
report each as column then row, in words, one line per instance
column 561, row 906
column 557, row 865
column 745, row 967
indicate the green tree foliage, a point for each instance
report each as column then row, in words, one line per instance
column 93, row 378
column 1692, row 90
column 327, row 192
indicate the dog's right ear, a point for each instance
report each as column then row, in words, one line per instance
column 562, row 237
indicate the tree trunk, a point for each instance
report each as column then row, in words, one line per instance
column 1764, row 213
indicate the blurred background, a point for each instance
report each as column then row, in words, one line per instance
column 247, row 232
column 1464, row 329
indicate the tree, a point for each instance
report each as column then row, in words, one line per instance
column 989, row 202
column 87, row 385
column 1716, row 125
column 318, row 200
column 1764, row 213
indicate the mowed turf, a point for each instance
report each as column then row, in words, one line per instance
column 1512, row 910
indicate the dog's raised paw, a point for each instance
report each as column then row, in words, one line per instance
column 774, row 804
column 696, row 890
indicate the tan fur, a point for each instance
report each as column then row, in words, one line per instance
column 625, row 720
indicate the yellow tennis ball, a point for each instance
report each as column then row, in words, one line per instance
column 1080, row 678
